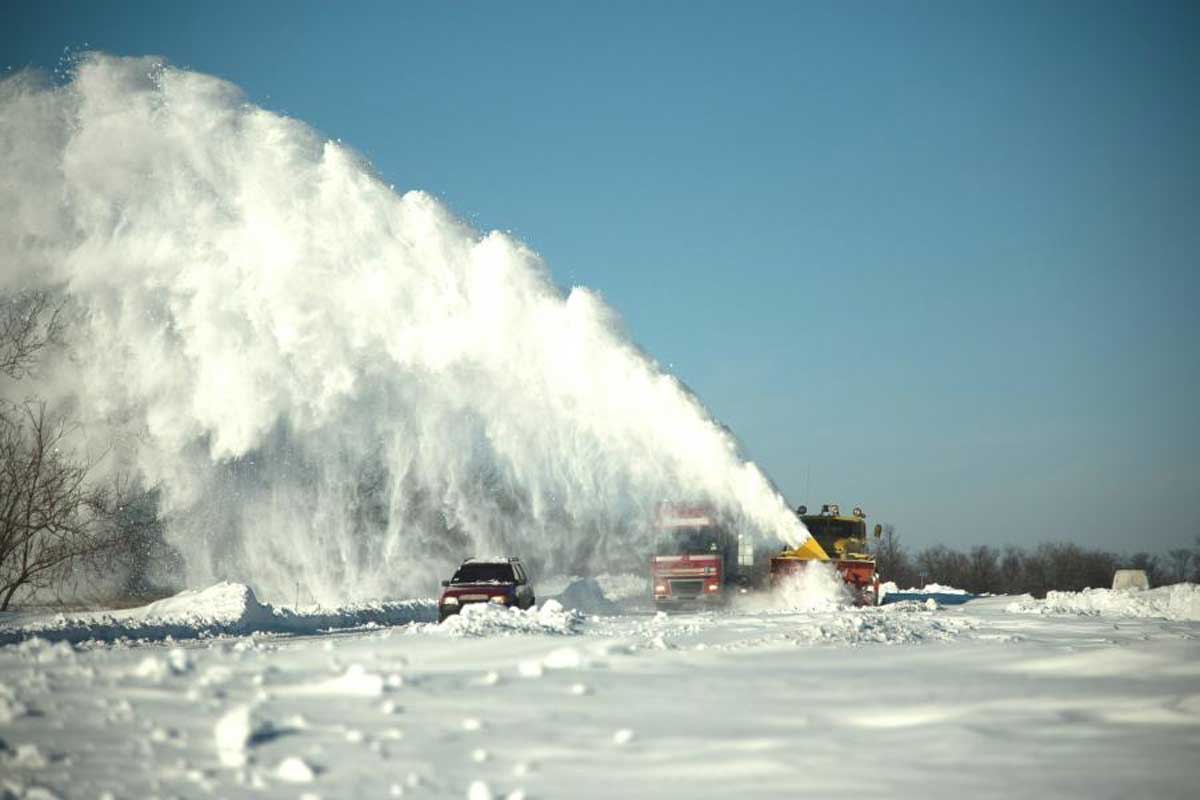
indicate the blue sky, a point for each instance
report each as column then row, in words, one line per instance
column 937, row 259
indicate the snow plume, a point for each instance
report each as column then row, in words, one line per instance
column 333, row 385
column 816, row 587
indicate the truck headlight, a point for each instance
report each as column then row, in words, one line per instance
column 449, row 601
column 501, row 599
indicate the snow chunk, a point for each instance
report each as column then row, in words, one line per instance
column 294, row 770
column 623, row 736
column 151, row 669
column 237, row 730
column 44, row 651
column 354, row 681
column 1178, row 602
column 10, row 707
column 530, row 669
column 39, row 793
column 489, row 678
column 563, row 658
column 28, row 756
column 488, row 619
column 479, row 790
column 178, row 661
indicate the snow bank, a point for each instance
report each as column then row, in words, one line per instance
column 898, row 624
column 586, row 595
column 904, row 622
column 937, row 588
column 624, row 586
column 487, row 619
column 890, row 587
column 597, row 594
column 226, row 608
column 1178, row 602
column 946, row 595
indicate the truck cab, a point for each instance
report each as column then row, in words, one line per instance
column 694, row 558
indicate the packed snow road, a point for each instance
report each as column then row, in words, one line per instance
column 991, row 698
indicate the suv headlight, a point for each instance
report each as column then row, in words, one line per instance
column 502, row 599
column 449, row 601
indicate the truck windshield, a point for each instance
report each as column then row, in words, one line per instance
column 687, row 542
column 829, row 530
column 484, row 573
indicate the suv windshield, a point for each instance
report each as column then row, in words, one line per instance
column 688, row 542
column 484, row 573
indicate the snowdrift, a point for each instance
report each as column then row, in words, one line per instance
column 587, row 596
column 1178, row 602
column 889, row 592
column 485, row 619
column 226, row 608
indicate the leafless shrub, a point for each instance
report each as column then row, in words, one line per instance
column 48, row 511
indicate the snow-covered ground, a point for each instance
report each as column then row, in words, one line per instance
column 1088, row 695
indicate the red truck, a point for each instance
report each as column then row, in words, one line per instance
column 695, row 558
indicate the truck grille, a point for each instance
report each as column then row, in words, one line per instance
column 686, row 588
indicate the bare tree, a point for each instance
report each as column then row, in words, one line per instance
column 1180, row 562
column 131, row 556
column 983, row 570
column 29, row 322
column 942, row 565
column 1012, row 571
column 51, row 517
column 892, row 560
column 48, row 513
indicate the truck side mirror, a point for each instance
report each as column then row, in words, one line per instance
column 878, row 530
column 445, row 583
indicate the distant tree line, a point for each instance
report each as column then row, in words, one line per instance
column 1060, row 566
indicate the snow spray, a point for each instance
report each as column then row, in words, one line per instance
column 328, row 381
column 817, row 587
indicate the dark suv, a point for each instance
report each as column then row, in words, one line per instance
column 486, row 580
